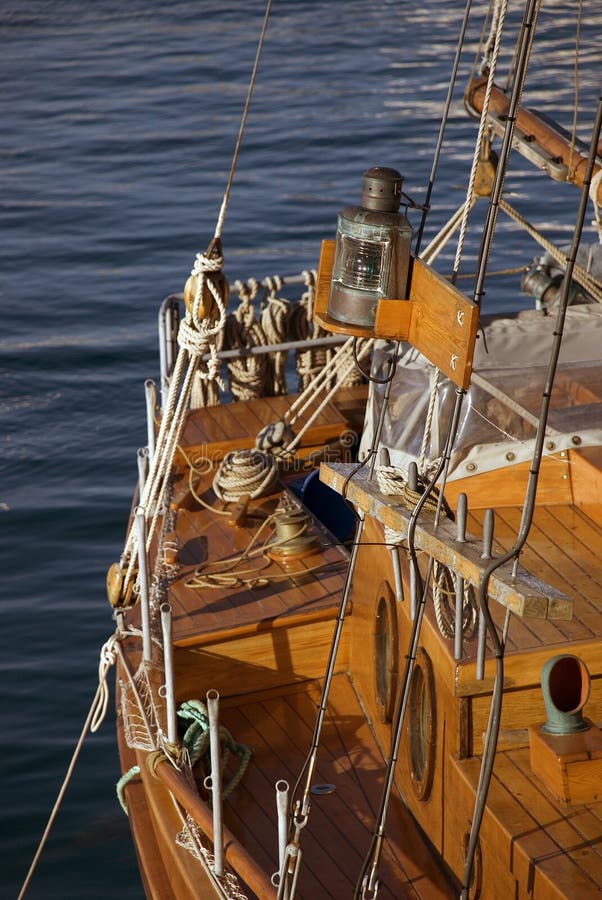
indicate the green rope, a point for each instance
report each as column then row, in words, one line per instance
column 196, row 739
column 121, row 785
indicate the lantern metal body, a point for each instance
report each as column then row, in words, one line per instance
column 372, row 251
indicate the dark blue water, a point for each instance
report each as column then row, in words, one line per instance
column 118, row 121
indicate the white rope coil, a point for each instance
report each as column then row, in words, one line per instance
column 245, row 472
column 391, row 481
column 444, row 601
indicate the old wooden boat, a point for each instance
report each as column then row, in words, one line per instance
column 339, row 672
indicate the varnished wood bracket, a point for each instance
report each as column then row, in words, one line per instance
column 525, row 595
column 570, row 765
column 437, row 319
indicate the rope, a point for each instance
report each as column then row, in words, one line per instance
column 302, row 326
column 497, row 27
column 228, row 574
column 249, row 377
column 196, row 740
column 428, row 424
column 244, row 472
column 444, row 601
column 274, row 321
column 122, row 784
column 580, row 275
column 93, row 721
column 344, row 360
column 391, row 481
column 222, row 213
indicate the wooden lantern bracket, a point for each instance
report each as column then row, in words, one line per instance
column 436, row 319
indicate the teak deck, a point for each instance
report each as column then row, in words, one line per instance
column 279, row 726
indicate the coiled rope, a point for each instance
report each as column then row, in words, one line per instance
column 444, row 601
column 245, row 472
column 196, row 740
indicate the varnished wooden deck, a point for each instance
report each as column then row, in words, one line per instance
column 560, row 550
column 305, row 587
column 278, row 726
column 554, row 851
column 260, row 646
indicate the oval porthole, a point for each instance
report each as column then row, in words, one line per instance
column 422, row 725
column 385, row 652
column 476, row 876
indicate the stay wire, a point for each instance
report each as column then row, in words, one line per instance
column 526, row 519
column 442, row 128
column 300, row 808
column 222, row 213
column 61, row 793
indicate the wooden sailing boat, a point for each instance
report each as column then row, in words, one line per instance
column 319, row 703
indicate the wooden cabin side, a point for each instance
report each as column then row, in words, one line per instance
column 533, row 842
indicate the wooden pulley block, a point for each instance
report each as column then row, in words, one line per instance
column 485, row 171
column 115, row 588
column 207, row 304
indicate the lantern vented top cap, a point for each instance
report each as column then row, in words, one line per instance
column 381, row 189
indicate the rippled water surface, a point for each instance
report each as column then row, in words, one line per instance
column 118, row 124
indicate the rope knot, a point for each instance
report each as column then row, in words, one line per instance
column 204, row 263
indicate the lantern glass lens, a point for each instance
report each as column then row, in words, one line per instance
column 361, row 263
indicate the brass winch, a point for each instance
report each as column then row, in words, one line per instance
column 291, row 539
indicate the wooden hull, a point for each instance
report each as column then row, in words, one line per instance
column 265, row 648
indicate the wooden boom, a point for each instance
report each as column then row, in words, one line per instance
column 537, row 138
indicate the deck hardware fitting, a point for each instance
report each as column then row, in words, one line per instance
column 488, row 524
column 461, row 513
column 282, row 802
column 166, row 629
column 321, row 790
column 142, row 460
column 143, row 582
column 213, row 782
column 151, row 402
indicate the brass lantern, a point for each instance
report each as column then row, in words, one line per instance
column 372, row 251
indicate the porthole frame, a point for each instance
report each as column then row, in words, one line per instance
column 422, row 725
column 385, row 643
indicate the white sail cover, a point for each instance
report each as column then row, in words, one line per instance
column 500, row 411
